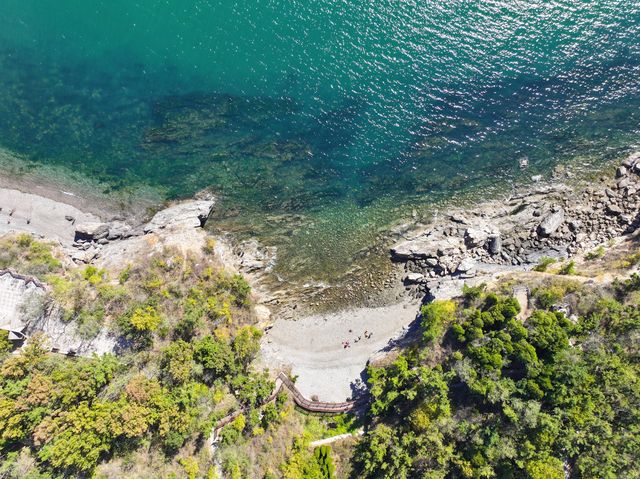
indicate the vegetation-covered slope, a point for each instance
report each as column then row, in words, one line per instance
column 486, row 394
column 186, row 345
column 487, row 391
column 182, row 363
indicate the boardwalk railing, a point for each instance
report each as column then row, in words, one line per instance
column 301, row 401
column 26, row 279
column 314, row 406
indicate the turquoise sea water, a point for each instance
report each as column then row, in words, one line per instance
column 318, row 122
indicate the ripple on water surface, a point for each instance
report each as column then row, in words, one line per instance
column 318, row 123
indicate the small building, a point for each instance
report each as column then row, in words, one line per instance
column 25, row 311
column 18, row 295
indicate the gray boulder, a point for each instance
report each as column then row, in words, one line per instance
column 91, row 231
column 415, row 249
column 445, row 288
column 614, row 210
column 118, row 229
column 189, row 214
column 414, row 278
column 623, row 182
column 474, row 237
column 551, row 223
column 631, row 160
column 621, row 171
column 574, row 225
column 84, row 256
column 467, row 265
column 495, row 244
column 458, row 218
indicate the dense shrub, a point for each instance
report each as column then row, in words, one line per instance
column 510, row 399
column 178, row 316
column 544, row 263
column 435, row 316
column 569, row 268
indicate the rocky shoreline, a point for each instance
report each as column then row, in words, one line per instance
column 465, row 246
column 554, row 221
column 430, row 261
column 106, row 241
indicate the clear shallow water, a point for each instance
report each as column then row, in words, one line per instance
column 321, row 122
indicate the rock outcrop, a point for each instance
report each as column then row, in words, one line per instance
column 553, row 221
column 91, row 231
column 114, row 241
column 112, row 244
column 26, row 310
column 253, row 257
column 189, row 214
column 17, row 294
column 43, row 217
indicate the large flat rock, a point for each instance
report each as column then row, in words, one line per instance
column 24, row 212
column 551, row 223
column 189, row 214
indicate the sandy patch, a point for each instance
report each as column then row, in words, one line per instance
column 313, row 346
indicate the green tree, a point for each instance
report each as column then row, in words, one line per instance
column 246, row 344
column 77, row 439
column 547, row 332
column 544, row 468
column 177, row 361
column 215, row 355
column 252, row 389
column 322, row 455
column 145, row 319
column 435, row 316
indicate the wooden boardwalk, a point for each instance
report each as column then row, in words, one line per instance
column 302, row 402
column 314, row 406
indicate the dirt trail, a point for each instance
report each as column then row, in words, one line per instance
column 332, row 439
